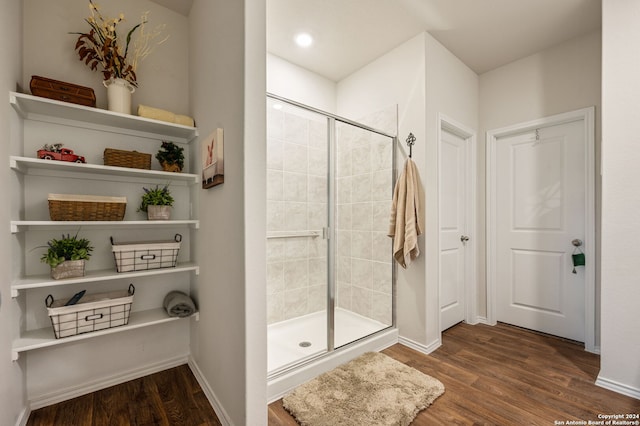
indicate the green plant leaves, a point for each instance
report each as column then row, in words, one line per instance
column 66, row 248
column 171, row 153
column 156, row 197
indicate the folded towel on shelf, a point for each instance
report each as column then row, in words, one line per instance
column 184, row 120
column 156, row 113
column 179, row 304
column 407, row 217
column 164, row 115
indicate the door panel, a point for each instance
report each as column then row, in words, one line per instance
column 452, row 226
column 540, row 194
column 535, row 278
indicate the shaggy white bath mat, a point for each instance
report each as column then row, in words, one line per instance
column 372, row 389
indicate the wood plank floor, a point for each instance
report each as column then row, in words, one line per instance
column 505, row 375
column 171, row 397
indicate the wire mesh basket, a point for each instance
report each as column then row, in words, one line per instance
column 90, row 313
column 142, row 256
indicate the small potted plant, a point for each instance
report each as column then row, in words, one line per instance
column 157, row 203
column 67, row 256
column 171, row 157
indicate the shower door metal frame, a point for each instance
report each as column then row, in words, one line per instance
column 331, row 231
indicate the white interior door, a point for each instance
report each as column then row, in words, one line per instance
column 540, row 208
column 453, row 227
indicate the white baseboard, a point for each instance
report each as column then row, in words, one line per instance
column 482, row 320
column 39, row 401
column 23, row 417
column 208, row 392
column 425, row 349
column 627, row 390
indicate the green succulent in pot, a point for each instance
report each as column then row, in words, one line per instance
column 155, row 197
column 66, row 248
column 156, row 202
column 66, row 256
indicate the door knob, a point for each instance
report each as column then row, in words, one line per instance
column 464, row 238
column 576, row 242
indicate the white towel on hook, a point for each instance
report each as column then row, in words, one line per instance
column 407, row 217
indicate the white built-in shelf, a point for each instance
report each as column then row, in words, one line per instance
column 44, row 337
column 39, row 281
column 52, row 111
column 26, row 165
column 22, row 225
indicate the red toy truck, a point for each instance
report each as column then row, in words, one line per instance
column 63, row 154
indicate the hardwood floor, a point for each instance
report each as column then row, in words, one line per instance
column 505, row 375
column 171, row 397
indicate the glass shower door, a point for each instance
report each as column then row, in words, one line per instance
column 363, row 266
column 297, row 223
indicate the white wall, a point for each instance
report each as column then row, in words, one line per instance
column 255, row 158
column 49, row 50
column 299, row 84
column 397, row 78
column 229, row 343
column 620, row 345
column 562, row 78
column 452, row 90
column 13, row 401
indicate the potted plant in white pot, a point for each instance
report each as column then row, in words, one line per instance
column 157, row 202
column 67, row 256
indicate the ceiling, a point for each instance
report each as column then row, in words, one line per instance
column 484, row 34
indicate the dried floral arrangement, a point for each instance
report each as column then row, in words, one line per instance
column 103, row 46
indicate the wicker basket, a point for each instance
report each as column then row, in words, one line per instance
column 86, row 207
column 130, row 159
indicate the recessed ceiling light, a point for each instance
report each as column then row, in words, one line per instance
column 277, row 106
column 304, row 40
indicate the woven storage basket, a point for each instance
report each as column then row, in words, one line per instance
column 130, row 159
column 86, row 207
column 93, row 312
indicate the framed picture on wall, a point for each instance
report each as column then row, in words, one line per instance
column 213, row 159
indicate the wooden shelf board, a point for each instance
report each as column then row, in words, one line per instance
column 44, row 337
column 20, row 225
column 49, row 110
column 39, row 281
column 25, row 164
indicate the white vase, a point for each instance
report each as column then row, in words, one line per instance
column 119, row 93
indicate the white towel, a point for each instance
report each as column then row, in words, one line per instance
column 407, row 217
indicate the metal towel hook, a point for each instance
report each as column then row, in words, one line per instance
column 410, row 141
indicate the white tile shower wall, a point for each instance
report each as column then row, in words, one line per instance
column 297, row 169
column 364, row 191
